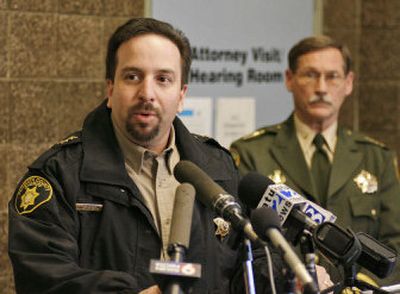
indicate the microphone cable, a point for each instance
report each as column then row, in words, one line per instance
column 270, row 269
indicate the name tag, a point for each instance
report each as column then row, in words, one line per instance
column 89, row 207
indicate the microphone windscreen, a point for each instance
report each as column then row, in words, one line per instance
column 252, row 187
column 182, row 215
column 206, row 189
column 264, row 218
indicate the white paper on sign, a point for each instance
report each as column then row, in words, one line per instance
column 197, row 115
column 235, row 117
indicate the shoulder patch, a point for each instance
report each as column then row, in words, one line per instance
column 212, row 142
column 235, row 155
column 396, row 167
column 201, row 137
column 207, row 140
column 376, row 142
column 32, row 193
column 70, row 139
column 367, row 139
column 362, row 138
column 260, row 132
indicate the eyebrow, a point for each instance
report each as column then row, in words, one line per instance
column 137, row 69
column 308, row 68
column 130, row 68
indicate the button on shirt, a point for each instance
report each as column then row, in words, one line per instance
column 153, row 175
column 306, row 135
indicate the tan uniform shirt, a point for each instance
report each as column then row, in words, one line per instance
column 306, row 135
column 153, row 174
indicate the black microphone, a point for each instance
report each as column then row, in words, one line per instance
column 215, row 197
column 339, row 245
column 266, row 223
column 375, row 256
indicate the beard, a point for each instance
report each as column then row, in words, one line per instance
column 139, row 131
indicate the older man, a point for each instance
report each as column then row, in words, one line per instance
column 349, row 173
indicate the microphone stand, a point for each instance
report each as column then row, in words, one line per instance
column 177, row 254
column 248, row 267
column 307, row 249
column 290, row 284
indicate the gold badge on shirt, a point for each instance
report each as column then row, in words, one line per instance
column 222, row 227
column 278, row 177
column 366, row 182
column 32, row 193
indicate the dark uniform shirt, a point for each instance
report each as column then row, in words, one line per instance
column 364, row 189
column 78, row 223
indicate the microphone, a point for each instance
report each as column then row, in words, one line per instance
column 179, row 239
column 375, row 256
column 256, row 190
column 335, row 242
column 214, row 196
column 181, row 222
column 267, row 223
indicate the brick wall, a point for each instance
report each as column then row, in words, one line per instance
column 371, row 28
column 51, row 74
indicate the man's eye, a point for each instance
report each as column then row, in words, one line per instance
column 131, row 77
column 312, row 75
column 332, row 76
column 165, row 79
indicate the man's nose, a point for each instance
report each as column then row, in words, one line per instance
column 147, row 90
column 321, row 86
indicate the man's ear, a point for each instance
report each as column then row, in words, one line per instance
column 182, row 96
column 349, row 83
column 289, row 79
column 110, row 89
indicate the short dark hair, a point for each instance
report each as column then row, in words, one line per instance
column 140, row 26
column 317, row 43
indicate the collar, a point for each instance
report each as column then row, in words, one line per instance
column 103, row 160
column 306, row 134
column 135, row 155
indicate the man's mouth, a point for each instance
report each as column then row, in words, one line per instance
column 320, row 99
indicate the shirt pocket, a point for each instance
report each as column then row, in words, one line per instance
column 365, row 214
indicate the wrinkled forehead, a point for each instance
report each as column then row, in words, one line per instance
column 328, row 59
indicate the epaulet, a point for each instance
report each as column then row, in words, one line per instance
column 261, row 132
column 200, row 137
column 70, row 140
column 210, row 141
column 364, row 139
column 206, row 139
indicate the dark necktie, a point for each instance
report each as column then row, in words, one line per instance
column 320, row 168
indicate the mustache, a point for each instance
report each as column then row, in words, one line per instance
column 320, row 98
column 144, row 106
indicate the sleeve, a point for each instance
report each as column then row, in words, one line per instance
column 43, row 243
column 389, row 229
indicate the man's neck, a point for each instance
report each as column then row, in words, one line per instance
column 158, row 145
column 317, row 125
